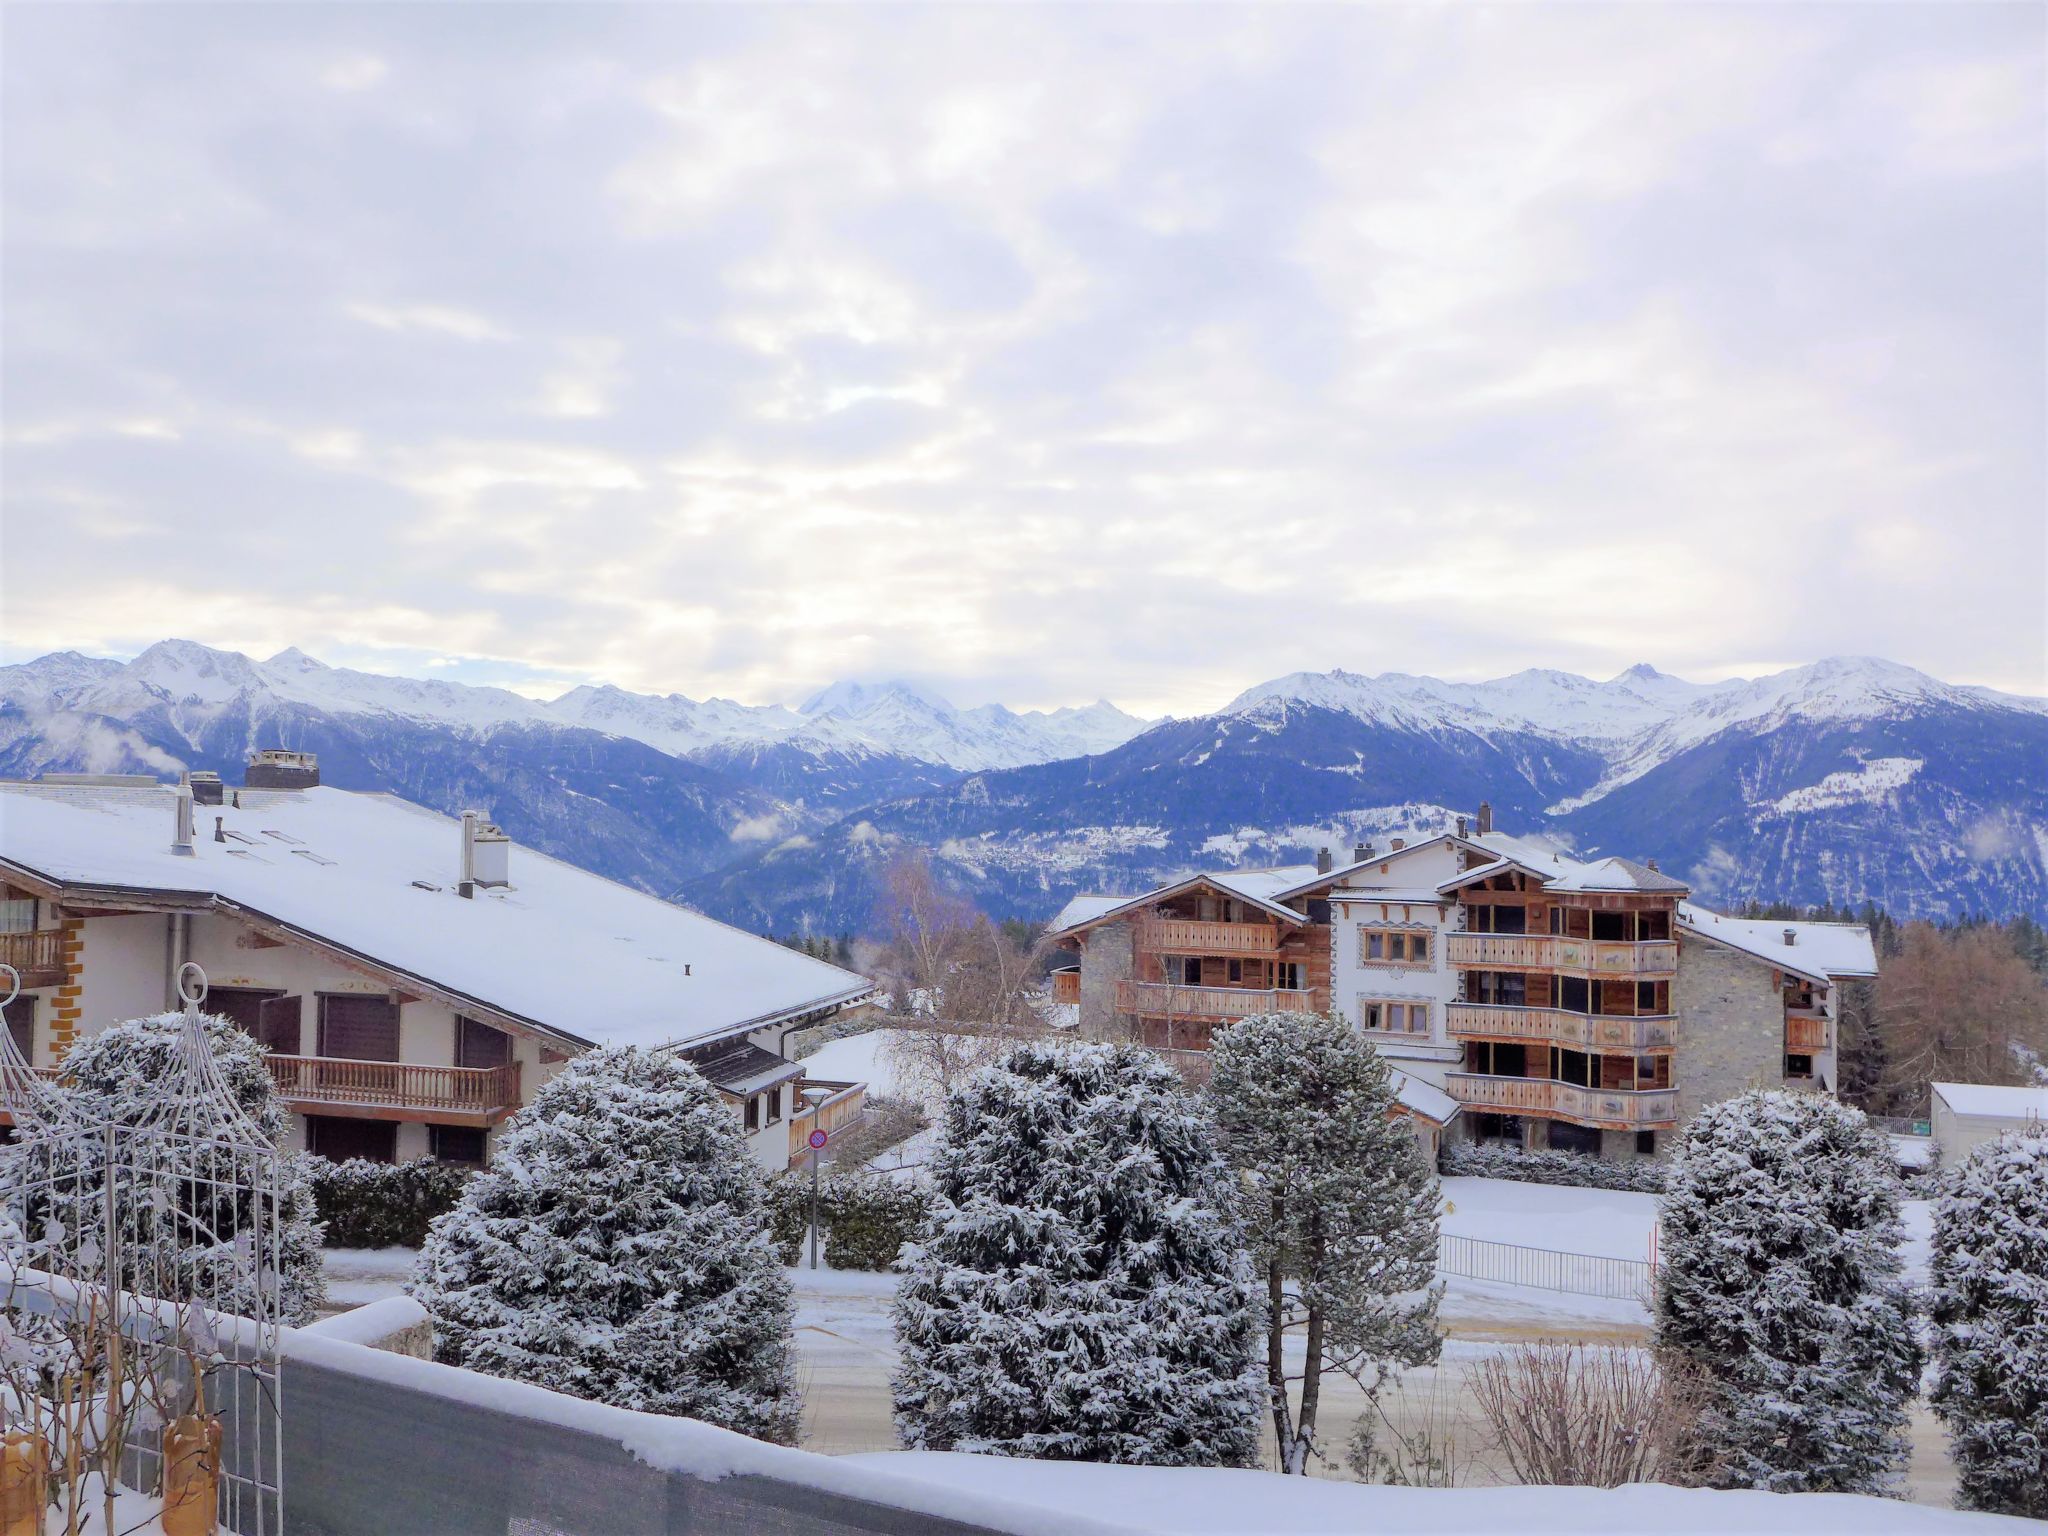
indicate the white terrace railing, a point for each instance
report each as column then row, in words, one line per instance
column 1544, row 1269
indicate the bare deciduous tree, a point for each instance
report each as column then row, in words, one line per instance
column 1962, row 1006
column 1585, row 1415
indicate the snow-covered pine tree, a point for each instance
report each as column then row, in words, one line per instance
column 1782, row 1318
column 119, row 1075
column 1339, row 1201
column 1989, row 1301
column 1079, row 1292
column 616, row 1249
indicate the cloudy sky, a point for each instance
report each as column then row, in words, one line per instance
column 1035, row 354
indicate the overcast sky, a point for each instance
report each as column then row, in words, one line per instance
column 1033, row 354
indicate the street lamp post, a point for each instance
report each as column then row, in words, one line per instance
column 817, row 1139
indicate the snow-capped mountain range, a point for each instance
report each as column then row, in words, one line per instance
column 1849, row 779
column 195, row 682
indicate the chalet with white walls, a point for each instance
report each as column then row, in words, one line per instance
column 414, row 977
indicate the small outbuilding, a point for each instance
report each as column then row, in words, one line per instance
column 1966, row 1115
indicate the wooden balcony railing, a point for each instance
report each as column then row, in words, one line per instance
column 397, row 1090
column 38, row 955
column 833, row 1115
column 1581, row 1031
column 1066, row 986
column 1805, row 1035
column 1165, row 1000
column 1186, row 936
column 1548, row 952
column 1609, row 1109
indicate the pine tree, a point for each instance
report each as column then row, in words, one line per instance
column 1989, row 1302
column 1781, row 1311
column 119, row 1075
column 1339, row 1201
column 1079, row 1292
column 616, row 1249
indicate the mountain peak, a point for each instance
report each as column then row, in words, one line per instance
column 292, row 659
column 848, row 698
column 1641, row 672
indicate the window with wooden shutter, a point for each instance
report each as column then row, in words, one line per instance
column 21, row 1024
column 479, row 1045
column 280, row 1025
column 339, row 1139
column 358, row 1028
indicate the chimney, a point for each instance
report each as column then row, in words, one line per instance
column 1322, row 861
column 1485, row 817
column 1400, row 843
column 1651, row 864
column 1360, row 852
column 1461, row 826
column 181, row 827
column 1791, row 937
column 220, row 829
column 206, row 788
column 275, row 768
column 486, row 854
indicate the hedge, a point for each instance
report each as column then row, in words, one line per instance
column 866, row 1217
column 1464, row 1159
column 384, row 1205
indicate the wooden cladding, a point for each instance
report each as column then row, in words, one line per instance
column 1066, row 986
column 1548, row 952
column 464, row 1094
column 37, row 954
column 831, row 1115
column 1162, row 999
column 1605, row 1109
column 1191, row 936
column 1805, row 1036
column 1491, row 1021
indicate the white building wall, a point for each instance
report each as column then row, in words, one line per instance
column 123, row 959
column 1355, row 908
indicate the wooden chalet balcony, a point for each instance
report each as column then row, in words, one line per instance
column 38, row 955
column 1806, row 1033
column 396, row 1090
column 1581, row 1031
column 1606, row 1109
column 1163, row 999
column 1187, row 936
column 1549, row 952
column 833, row 1115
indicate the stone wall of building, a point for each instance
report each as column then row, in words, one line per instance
column 1731, row 1027
column 1105, row 960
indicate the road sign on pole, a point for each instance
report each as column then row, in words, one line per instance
column 818, row 1140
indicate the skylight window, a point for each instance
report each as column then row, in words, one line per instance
column 282, row 837
column 309, row 854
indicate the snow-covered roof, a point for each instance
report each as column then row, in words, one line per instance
column 1989, row 1101
column 1389, row 893
column 561, row 950
column 1423, row 1099
column 1819, row 951
column 1261, row 887
column 1084, row 909
column 1344, row 872
column 1615, row 875
column 740, row 1067
column 1487, row 871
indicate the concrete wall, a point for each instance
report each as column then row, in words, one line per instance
column 1105, row 960
column 1731, row 1026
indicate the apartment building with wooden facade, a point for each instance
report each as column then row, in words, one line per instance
column 1554, row 1002
column 414, row 978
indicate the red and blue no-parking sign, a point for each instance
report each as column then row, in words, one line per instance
column 818, row 1139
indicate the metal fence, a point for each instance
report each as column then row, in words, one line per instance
column 1545, row 1269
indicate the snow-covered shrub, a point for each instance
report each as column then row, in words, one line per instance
column 870, row 1216
column 786, row 1209
column 615, row 1250
column 1340, row 1206
column 1469, row 1160
column 119, row 1074
column 1079, row 1292
column 1781, row 1310
column 1989, row 1301
column 383, row 1205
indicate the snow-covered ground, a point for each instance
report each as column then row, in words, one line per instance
column 358, row 1276
column 1163, row 1501
column 1609, row 1223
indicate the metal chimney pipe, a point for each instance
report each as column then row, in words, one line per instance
column 181, row 829
column 465, row 884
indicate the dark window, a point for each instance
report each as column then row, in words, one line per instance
column 1574, row 996
column 1318, row 909
column 774, row 1105
column 479, row 1045
column 753, row 1112
column 339, row 1139
column 1236, row 971
column 1646, row 1143
column 21, row 1024
column 1799, row 1066
column 359, row 1028
column 1565, row 1137
column 1510, row 920
column 279, row 1025
column 1610, row 927
column 457, row 1144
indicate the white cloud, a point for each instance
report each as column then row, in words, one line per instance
column 437, row 319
